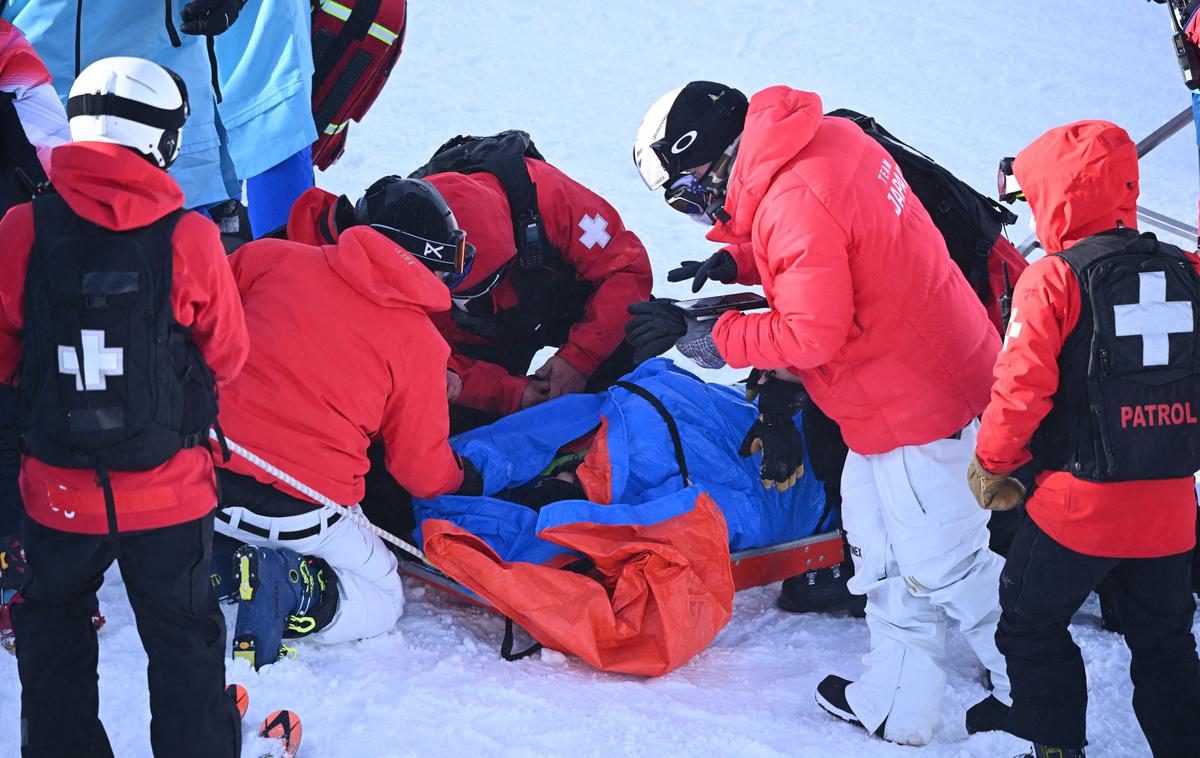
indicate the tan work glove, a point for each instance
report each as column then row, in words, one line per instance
column 994, row 492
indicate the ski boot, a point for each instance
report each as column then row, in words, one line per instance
column 221, row 576
column 822, row 590
column 280, row 594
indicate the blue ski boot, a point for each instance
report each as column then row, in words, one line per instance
column 280, row 593
column 222, row 575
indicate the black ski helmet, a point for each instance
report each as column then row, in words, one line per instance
column 413, row 214
column 686, row 128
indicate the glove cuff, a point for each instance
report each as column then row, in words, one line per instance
column 777, row 397
column 697, row 345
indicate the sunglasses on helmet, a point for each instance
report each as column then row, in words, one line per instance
column 1006, row 184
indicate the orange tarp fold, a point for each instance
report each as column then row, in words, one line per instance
column 664, row 591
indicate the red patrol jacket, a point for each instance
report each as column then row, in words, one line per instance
column 1080, row 180
column 113, row 187
column 342, row 352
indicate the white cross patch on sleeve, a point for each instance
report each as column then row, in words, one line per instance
column 1153, row 318
column 99, row 361
column 1014, row 329
column 594, row 231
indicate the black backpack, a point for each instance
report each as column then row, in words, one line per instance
column 21, row 173
column 1127, row 406
column 109, row 379
column 970, row 222
column 552, row 298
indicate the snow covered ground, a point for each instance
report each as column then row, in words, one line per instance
column 968, row 82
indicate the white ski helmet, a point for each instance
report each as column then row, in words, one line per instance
column 132, row 102
column 688, row 127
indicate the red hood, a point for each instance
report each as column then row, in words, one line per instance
column 780, row 122
column 481, row 209
column 381, row 271
column 112, row 186
column 1080, row 179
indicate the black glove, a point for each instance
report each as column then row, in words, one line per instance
column 719, row 266
column 774, row 433
column 654, row 328
column 472, row 483
column 210, row 17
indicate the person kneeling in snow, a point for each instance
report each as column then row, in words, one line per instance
column 555, row 267
column 888, row 338
column 343, row 353
column 1097, row 383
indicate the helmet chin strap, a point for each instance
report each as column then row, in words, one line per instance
column 716, row 181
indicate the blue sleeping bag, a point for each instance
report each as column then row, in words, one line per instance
column 646, row 485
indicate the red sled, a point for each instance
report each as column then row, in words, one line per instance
column 751, row 568
column 355, row 45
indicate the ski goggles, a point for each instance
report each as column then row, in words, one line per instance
column 1006, row 184
column 463, row 300
column 450, row 261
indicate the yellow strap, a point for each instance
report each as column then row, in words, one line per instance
column 342, row 13
column 337, row 10
column 383, row 34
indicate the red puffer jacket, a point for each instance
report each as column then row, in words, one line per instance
column 342, row 351
column 866, row 304
column 111, row 186
column 1080, row 180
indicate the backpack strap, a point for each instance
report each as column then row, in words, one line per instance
column 672, row 427
column 357, row 25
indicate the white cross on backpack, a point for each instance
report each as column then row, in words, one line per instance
column 1153, row 318
column 99, row 362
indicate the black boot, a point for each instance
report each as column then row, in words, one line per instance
column 988, row 715
column 831, row 695
column 822, row 591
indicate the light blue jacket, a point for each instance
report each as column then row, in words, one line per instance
column 266, row 66
column 137, row 28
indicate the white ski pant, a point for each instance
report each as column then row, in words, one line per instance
column 920, row 547
column 370, row 595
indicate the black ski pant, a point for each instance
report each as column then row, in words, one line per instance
column 1043, row 584
column 166, row 573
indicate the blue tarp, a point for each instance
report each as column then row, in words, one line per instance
column 646, row 483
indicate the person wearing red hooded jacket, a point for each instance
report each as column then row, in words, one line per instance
column 868, row 311
column 605, row 268
column 1115, row 499
column 83, row 408
column 353, row 358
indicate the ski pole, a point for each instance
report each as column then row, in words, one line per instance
column 350, row 513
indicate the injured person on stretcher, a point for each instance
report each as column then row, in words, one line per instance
column 641, row 493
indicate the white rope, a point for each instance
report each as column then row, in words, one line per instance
column 350, row 513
